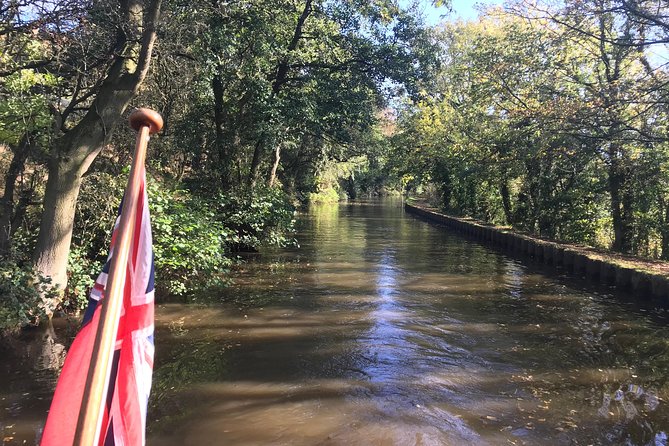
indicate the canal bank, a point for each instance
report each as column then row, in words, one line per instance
column 646, row 282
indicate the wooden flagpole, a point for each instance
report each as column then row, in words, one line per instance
column 146, row 122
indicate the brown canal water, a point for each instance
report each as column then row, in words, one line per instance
column 385, row 330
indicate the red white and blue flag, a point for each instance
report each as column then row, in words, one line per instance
column 124, row 419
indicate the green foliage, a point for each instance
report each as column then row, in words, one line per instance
column 21, row 109
column 193, row 236
column 524, row 128
column 307, row 77
column 336, row 179
column 188, row 242
column 92, row 235
column 95, row 217
column 81, row 270
column 258, row 217
column 234, row 82
column 327, row 195
column 520, row 121
column 23, row 297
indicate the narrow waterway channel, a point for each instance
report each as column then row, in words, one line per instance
column 381, row 329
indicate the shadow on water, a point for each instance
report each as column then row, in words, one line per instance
column 383, row 330
column 29, row 367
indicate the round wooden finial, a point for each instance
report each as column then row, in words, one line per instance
column 145, row 117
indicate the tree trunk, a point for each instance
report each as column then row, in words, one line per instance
column 620, row 211
column 664, row 230
column 506, row 202
column 73, row 152
column 277, row 159
column 196, row 159
column 283, row 67
column 16, row 166
column 350, row 187
column 224, row 158
column 255, row 164
column 60, row 199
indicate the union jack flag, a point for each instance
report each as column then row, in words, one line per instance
column 124, row 419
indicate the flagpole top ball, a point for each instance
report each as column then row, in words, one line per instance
column 145, row 117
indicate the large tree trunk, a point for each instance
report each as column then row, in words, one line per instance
column 60, row 199
column 73, row 152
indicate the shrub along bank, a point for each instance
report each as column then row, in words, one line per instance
column 195, row 239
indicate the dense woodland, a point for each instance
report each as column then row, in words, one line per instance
column 550, row 117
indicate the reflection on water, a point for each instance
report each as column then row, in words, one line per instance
column 384, row 330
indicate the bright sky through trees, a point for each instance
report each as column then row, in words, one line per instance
column 463, row 9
